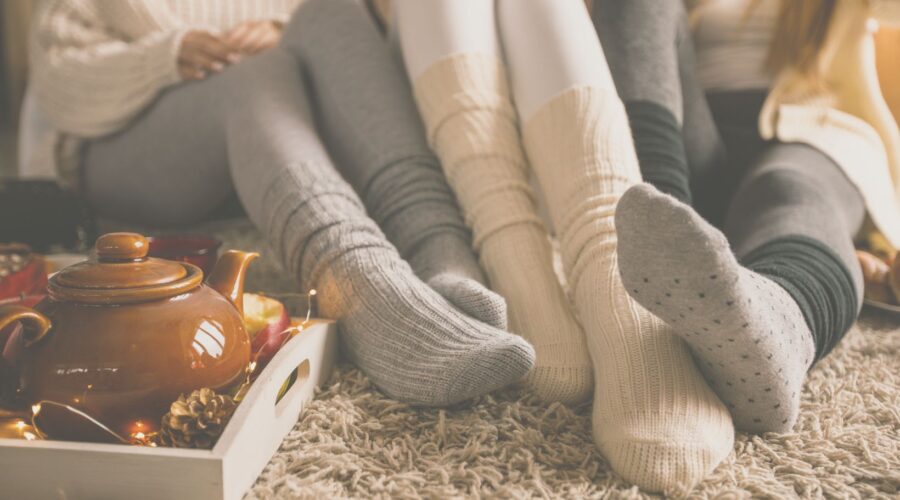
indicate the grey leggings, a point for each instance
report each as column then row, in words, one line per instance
column 788, row 210
column 784, row 189
column 792, row 218
column 171, row 166
column 180, row 160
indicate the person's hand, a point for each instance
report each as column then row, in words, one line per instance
column 202, row 53
column 253, row 37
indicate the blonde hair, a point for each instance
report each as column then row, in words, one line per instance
column 799, row 35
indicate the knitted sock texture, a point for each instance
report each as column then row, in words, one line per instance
column 465, row 102
column 655, row 419
column 409, row 340
column 367, row 115
column 660, row 148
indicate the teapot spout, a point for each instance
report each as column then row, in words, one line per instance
column 228, row 276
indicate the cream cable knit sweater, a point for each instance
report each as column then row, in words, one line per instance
column 96, row 64
column 849, row 120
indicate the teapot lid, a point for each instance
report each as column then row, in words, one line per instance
column 122, row 273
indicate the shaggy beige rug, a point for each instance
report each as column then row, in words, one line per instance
column 354, row 442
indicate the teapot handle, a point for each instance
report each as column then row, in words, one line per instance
column 37, row 321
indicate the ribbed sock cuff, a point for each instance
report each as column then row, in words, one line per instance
column 818, row 281
column 579, row 147
column 412, row 202
column 460, row 83
column 312, row 217
column 472, row 125
column 660, row 148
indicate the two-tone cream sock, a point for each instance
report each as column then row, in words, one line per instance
column 472, row 125
column 654, row 417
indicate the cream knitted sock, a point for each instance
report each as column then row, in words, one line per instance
column 465, row 102
column 655, row 419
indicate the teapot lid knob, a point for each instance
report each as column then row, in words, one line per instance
column 122, row 246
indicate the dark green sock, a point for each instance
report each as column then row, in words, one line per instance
column 660, row 148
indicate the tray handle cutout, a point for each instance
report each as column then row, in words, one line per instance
column 292, row 387
column 273, row 402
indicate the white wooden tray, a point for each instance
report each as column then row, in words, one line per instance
column 67, row 470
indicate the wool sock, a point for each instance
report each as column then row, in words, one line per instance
column 792, row 220
column 660, row 148
column 408, row 339
column 654, row 417
column 367, row 115
column 748, row 334
column 465, row 102
column 818, row 281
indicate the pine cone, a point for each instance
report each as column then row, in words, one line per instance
column 196, row 421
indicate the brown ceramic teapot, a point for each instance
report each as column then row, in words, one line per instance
column 122, row 336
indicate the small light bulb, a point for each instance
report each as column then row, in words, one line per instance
column 35, row 409
column 20, row 424
column 29, row 436
column 872, row 25
column 138, row 435
column 312, row 292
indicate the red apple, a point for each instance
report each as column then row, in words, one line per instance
column 21, row 273
column 267, row 322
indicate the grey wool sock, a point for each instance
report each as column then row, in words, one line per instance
column 747, row 333
column 369, row 120
column 406, row 337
